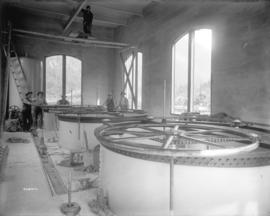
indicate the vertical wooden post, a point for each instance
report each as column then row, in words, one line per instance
column 6, row 81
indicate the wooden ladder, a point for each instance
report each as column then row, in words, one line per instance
column 16, row 69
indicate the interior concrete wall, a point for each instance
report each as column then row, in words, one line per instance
column 3, row 27
column 1, row 73
column 97, row 64
column 240, row 55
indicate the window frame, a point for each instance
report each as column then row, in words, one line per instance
column 191, row 34
column 134, row 78
column 64, row 72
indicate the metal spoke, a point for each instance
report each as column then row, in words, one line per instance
column 134, row 138
column 205, row 131
column 202, row 141
column 170, row 138
column 136, row 145
column 184, row 139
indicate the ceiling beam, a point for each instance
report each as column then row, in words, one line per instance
column 58, row 38
column 128, row 13
column 62, row 16
column 73, row 17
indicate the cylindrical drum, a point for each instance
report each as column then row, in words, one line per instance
column 77, row 130
column 158, row 170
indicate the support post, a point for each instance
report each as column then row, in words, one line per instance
column 64, row 75
column 6, row 81
column 69, row 189
column 164, row 99
column 172, row 187
column 73, row 17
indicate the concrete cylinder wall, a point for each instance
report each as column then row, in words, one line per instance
column 141, row 187
column 71, row 135
column 50, row 121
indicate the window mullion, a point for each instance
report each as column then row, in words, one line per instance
column 190, row 71
column 64, row 77
column 136, row 79
column 44, row 78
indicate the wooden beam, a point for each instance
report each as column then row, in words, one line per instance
column 128, row 13
column 97, row 43
column 62, row 16
column 73, row 17
column 63, row 42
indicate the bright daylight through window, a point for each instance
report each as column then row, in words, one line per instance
column 135, row 78
column 55, row 87
column 191, row 72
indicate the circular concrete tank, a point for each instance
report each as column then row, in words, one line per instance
column 51, row 113
column 77, row 129
column 183, row 169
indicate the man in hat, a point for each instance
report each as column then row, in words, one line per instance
column 123, row 103
column 63, row 101
column 38, row 112
column 87, row 20
column 110, row 103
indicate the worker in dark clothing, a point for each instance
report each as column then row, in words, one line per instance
column 26, row 112
column 87, row 20
column 38, row 112
column 110, row 103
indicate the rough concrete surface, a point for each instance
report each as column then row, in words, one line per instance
column 25, row 190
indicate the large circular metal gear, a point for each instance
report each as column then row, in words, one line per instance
column 189, row 143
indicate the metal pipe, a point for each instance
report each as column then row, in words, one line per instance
column 71, row 97
column 164, row 98
column 69, row 189
column 172, row 187
column 79, row 125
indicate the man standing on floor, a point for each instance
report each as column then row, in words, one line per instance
column 87, row 20
column 26, row 112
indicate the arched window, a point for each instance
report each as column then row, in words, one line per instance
column 63, row 79
column 73, row 80
column 54, row 73
column 191, row 72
